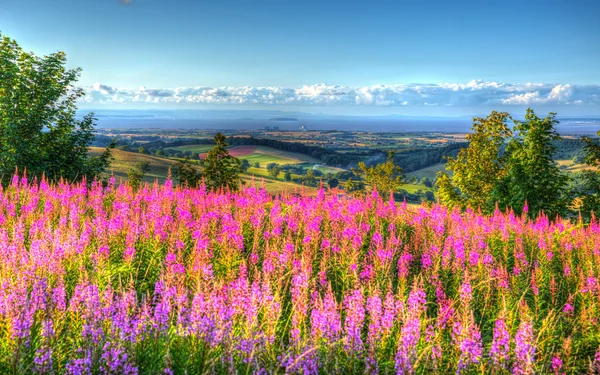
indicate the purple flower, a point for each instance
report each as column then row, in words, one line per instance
column 468, row 340
column 500, row 344
column 355, row 316
column 524, row 350
column 557, row 364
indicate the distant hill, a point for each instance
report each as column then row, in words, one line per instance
column 159, row 169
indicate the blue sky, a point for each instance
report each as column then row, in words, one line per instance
column 365, row 56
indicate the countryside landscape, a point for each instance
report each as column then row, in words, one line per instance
column 179, row 194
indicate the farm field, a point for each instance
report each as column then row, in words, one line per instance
column 429, row 172
column 159, row 169
column 569, row 166
column 197, row 149
column 173, row 281
column 124, row 160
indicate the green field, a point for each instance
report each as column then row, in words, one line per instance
column 413, row 188
column 159, row 169
column 124, row 160
column 429, row 172
column 199, row 149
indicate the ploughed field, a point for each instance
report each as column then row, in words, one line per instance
column 168, row 280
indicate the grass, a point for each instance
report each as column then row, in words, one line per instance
column 429, row 172
column 199, row 149
column 159, row 169
column 413, row 188
column 125, row 160
column 567, row 165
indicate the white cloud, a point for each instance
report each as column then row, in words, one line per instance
column 473, row 93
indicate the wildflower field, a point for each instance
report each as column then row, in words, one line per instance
column 169, row 280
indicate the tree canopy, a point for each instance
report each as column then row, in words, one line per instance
column 384, row 177
column 510, row 169
column 39, row 131
column 221, row 170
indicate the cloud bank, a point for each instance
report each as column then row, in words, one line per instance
column 474, row 93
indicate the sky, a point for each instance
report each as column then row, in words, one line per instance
column 357, row 57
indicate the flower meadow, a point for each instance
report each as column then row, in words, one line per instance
column 171, row 280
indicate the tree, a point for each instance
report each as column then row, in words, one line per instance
column 531, row 175
column 137, row 173
column 478, row 167
column 271, row 166
column 287, row 176
column 256, row 165
column 384, row 177
column 333, row 182
column 427, row 182
column 353, row 186
column 39, row 131
column 141, row 150
column 589, row 191
column 187, row 174
column 221, row 170
column 274, row 171
column 160, row 152
column 245, row 165
column 309, row 178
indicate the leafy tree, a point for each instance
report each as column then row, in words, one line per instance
column 245, row 165
column 478, row 167
column 160, row 152
column 221, row 170
column 39, row 131
column 352, row 186
column 384, row 177
column 427, row 182
column 589, row 194
column 429, row 196
column 333, row 182
column 137, row 173
column 531, row 175
column 271, row 166
column 274, row 171
column 309, row 178
column 141, row 150
column 187, row 174
column 287, row 176
column 256, row 165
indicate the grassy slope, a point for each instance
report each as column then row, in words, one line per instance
column 429, row 172
column 124, row 160
column 159, row 168
column 572, row 167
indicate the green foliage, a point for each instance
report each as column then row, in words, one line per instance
column 505, row 168
column 256, row 165
column 245, row 165
column 309, row 178
column 589, row 193
column 137, row 173
column 427, row 182
column 287, row 176
column 333, row 182
column 39, row 131
column 478, row 167
column 221, row 170
column 274, row 171
column 531, row 175
column 187, row 174
column 384, row 177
